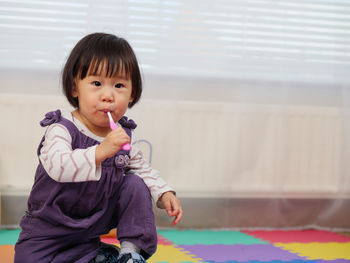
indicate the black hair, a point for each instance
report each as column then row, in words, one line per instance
column 95, row 50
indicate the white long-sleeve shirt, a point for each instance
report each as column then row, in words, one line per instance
column 63, row 164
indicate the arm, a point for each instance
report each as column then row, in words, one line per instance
column 62, row 163
column 139, row 166
column 163, row 195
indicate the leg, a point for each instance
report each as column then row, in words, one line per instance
column 42, row 242
column 55, row 250
column 136, row 222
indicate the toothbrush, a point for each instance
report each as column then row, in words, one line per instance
column 113, row 126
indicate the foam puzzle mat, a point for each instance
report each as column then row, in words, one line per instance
column 275, row 246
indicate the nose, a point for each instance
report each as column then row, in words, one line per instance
column 107, row 95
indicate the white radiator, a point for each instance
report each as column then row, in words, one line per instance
column 203, row 149
column 212, row 149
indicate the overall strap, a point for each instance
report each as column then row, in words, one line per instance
column 56, row 117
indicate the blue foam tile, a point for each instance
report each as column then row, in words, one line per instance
column 9, row 237
column 334, row 261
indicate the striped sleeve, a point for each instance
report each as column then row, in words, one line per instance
column 62, row 163
column 139, row 166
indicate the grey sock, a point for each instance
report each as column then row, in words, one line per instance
column 128, row 247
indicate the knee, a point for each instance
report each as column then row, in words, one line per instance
column 134, row 193
column 135, row 184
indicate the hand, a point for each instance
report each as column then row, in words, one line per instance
column 172, row 206
column 112, row 143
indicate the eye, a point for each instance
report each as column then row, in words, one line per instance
column 119, row 85
column 96, row 83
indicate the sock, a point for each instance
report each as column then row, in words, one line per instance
column 128, row 247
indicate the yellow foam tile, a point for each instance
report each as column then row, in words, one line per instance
column 313, row 250
column 166, row 253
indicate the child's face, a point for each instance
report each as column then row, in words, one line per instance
column 98, row 94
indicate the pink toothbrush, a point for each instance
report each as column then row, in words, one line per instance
column 113, row 126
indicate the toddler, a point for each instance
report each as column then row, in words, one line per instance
column 86, row 183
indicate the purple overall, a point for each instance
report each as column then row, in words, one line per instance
column 64, row 221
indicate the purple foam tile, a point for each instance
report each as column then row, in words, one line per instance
column 222, row 253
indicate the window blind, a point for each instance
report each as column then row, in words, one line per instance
column 296, row 40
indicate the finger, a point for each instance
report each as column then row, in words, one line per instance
column 167, row 206
column 175, row 207
column 178, row 217
column 178, row 213
column 126, row 140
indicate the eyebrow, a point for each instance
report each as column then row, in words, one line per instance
column 118, row 77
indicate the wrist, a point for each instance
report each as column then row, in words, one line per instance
column 99, row 158
column 170, row 192
column 167, row 193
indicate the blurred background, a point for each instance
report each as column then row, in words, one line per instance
column 245, row 103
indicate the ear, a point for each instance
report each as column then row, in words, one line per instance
column 131, row 98
column 74, row 90
column 74, row 94
column 130, row 101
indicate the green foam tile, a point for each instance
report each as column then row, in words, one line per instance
column 208, row 237
column 9, row 237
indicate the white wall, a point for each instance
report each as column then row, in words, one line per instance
column 20, row 136
column 202, row 148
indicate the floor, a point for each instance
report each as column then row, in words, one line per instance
column 231, row 246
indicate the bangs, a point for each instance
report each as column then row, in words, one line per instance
column 108, row 67
column 106, row 55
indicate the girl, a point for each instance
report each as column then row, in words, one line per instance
column 86, row 183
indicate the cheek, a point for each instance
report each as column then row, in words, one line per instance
column 87, row 102
column 123, row 97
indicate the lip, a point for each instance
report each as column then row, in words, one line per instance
column 105, row 110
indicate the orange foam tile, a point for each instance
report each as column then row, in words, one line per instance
column 7, row 253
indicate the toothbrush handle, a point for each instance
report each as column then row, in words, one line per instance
column 126, row 146
column 113, row 126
